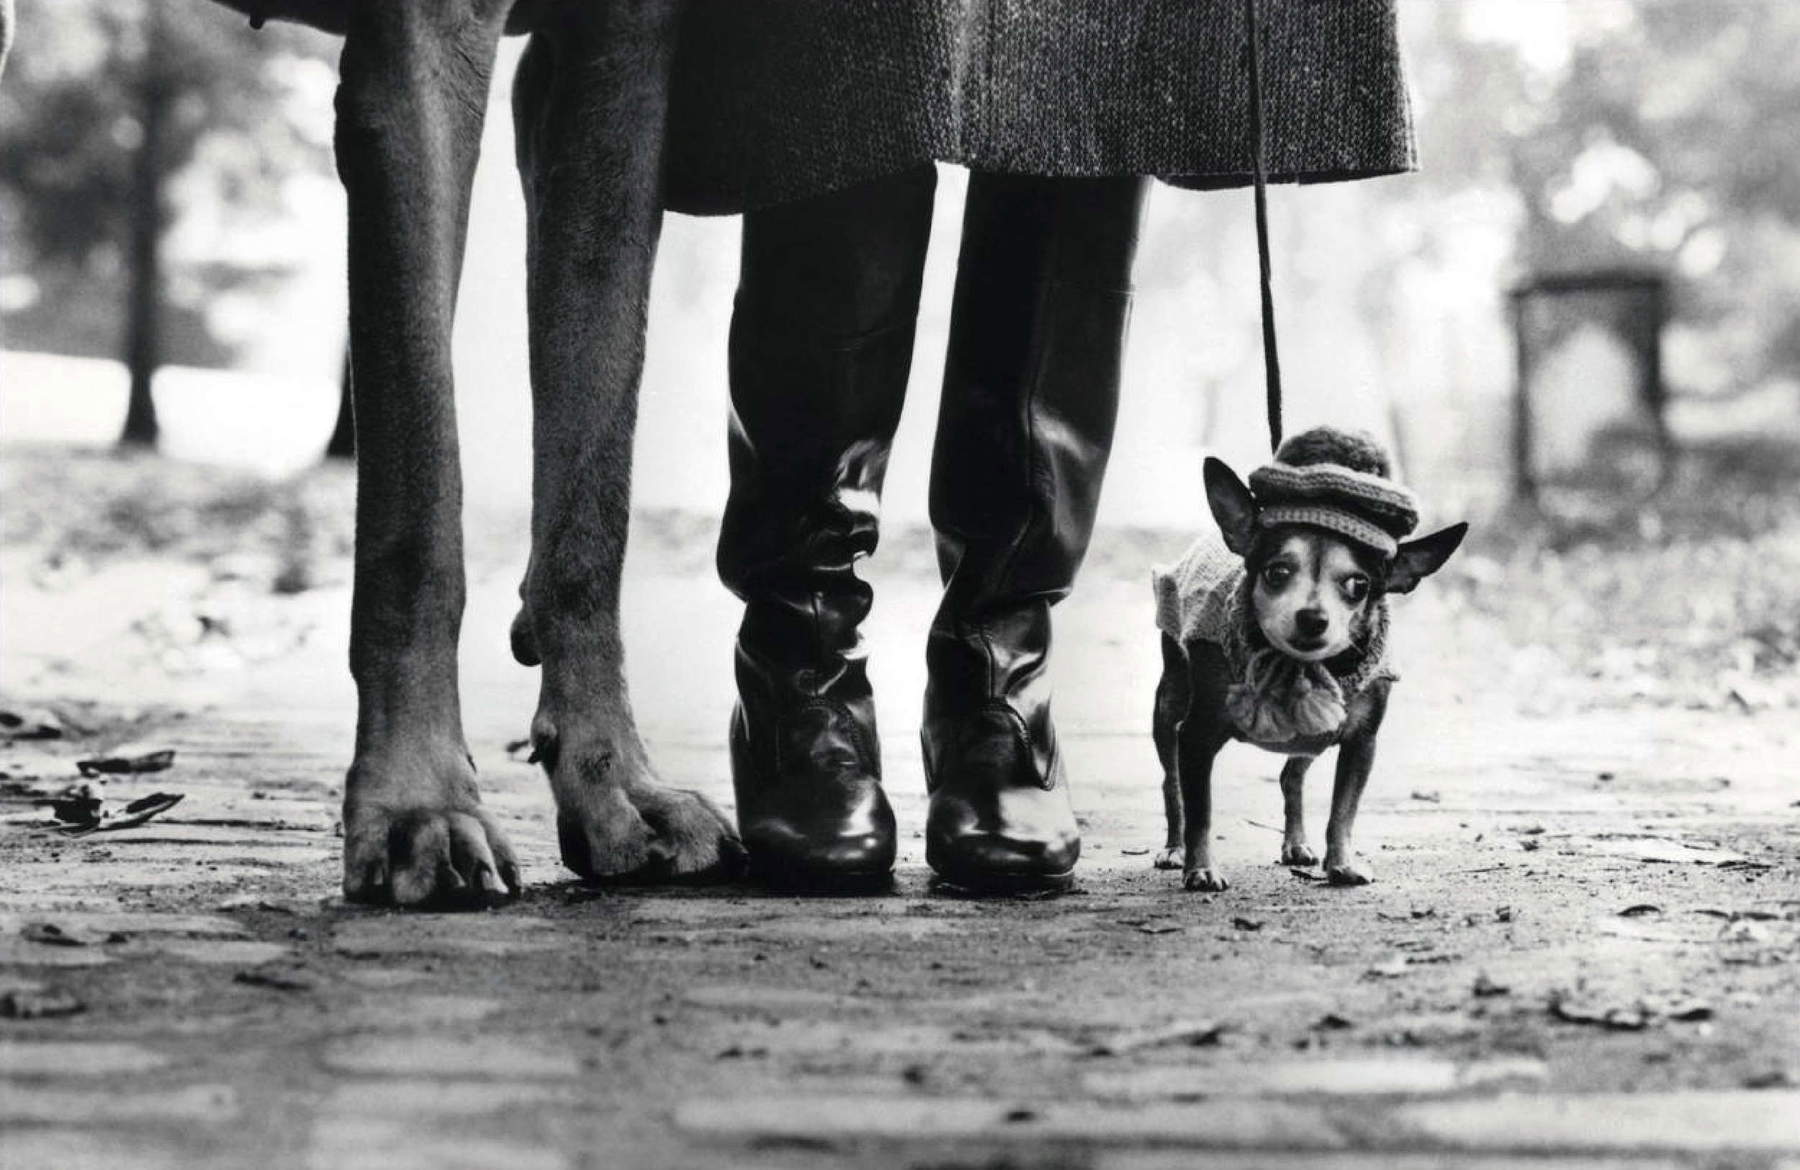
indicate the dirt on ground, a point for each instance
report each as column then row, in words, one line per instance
column 1582, row 946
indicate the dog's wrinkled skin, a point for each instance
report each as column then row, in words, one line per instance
column 1311, row 597
column 590, row 102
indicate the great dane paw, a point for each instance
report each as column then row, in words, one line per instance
column 1209, row 881
column 1352, row 872
column 1169, row 858
column 423, row 845
column 631, row 829
column 1298, row 853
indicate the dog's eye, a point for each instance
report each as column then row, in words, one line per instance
column 1356, row 588
column 1277, row 575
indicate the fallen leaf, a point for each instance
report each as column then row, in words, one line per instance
column 160, row 761
column 1134, row 851
column 53, row 935
column 136, row 813
column 1663, row 850
column 1305, row 875
column 31, row 723
column 1332, row 1022
column 1743, row 932
column 77, row 804
column 258, row 902
column 1486, row 988
column 1246, row 924
column 39, row 1005
column 1195, row 1034
column 1775, row 1078
column 1431, row 797
column 1640, row 910
column 1633, row 1018
column 1158, row 928
column 279, row 977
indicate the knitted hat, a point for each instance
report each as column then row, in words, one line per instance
column 1338, row 481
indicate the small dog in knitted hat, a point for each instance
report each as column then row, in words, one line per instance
column 1274, row 632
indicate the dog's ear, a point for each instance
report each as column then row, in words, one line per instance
column 1419, row 559
column 1232, row 506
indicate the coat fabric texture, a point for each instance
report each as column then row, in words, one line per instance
column 775, row 100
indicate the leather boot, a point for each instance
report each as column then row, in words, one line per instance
column 821, row 346
column 1030, row 398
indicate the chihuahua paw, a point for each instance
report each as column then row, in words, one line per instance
column 1169, row 858
column 1298, row 853
column 1348, row 873
column 1209, row 881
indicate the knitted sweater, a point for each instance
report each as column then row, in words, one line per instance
column 1204, row 599
column 775, row 100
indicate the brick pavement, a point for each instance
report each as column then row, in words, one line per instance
column 233, row 1011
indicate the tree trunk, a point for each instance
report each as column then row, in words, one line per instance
column 143, row 315
column 342, row 444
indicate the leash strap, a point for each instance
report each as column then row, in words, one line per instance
column 1260, row 169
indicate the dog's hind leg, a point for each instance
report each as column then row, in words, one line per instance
column 590, row 102
column 409, row 111
column 1203, row 732
column 1294, row 849
column 1165, row 721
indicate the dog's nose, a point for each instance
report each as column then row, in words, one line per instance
column 1311, row 623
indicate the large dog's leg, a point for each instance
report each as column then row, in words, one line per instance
column 409, row 111
column 590, row 100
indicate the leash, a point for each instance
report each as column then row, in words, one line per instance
column 1260, row 170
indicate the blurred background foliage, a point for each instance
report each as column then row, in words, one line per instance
column 1669, row 139
column 1556, row 136
column 1597, row 133
column 121, row 118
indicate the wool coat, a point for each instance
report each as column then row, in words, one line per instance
column 775, row 100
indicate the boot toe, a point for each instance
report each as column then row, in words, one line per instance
column 996, row 861
column 821, row 845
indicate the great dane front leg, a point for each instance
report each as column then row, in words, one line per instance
column 590, row 100
column 409, row 111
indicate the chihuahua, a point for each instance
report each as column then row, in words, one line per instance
column 1276, row 636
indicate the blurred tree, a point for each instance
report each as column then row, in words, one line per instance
column 1669, row 139
column 108, row 107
